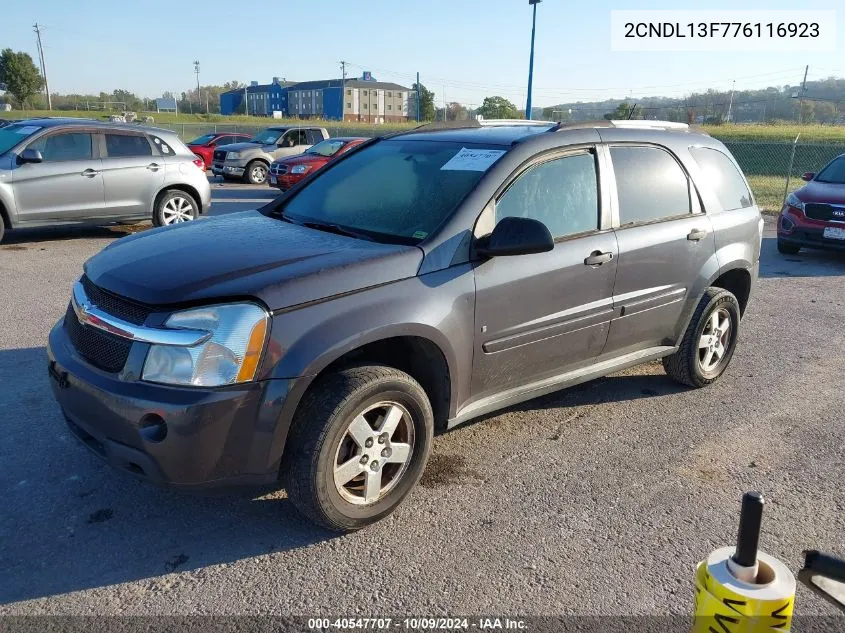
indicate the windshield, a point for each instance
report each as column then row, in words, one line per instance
column 267, row 137
column 11, row 135
column 326, row 148
column 833, row 173
column 396, row 189
column 202, row 140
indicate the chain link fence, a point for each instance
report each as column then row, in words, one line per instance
column 774, row 169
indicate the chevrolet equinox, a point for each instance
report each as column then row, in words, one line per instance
column 421, row 280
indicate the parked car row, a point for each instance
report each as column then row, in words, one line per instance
column 69, row 171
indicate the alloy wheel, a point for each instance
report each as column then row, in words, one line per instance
column 177, row 209
column 374, row 453
column 714, row 341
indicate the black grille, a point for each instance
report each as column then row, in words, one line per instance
column 115, row 305
column 101, row 349
column 825, row 212
column 220, row 155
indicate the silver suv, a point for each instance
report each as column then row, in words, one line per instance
column 68, row 171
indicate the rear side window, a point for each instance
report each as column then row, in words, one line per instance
column 123, row 146
column 560, row 193
column 64, row 146
column 650, row 184
column 314, row 137
column 723, row 177
column 163, row 147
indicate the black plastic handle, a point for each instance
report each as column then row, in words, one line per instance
column 748, row 539
column 824, row 565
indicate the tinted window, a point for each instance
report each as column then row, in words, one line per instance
column 122, row 145
column 561, row 193
column 202, row 140
column 834, row 172
column 650, row 183
column 723, row 176
column 69, row 146
column 395, row 188
column 326, row 148
column 163, row 147
column 13, row 134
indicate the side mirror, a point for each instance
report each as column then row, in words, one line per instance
column 808, row 176
column 30, row 156
column 516, row 236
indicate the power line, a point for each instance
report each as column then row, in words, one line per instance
column 43, row 63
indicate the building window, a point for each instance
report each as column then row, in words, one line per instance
column 389, row 107
column 348, row 93
column 389, row 94
column 349, row 105
column 365, row 106
column 365, row 93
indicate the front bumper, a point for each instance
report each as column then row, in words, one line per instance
column 212, row 437
column 810, row 236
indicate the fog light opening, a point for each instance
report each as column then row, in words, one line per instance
column 152, row 427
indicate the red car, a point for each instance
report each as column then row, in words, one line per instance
column 814, row 216
column 286, row 172
column 204, row 146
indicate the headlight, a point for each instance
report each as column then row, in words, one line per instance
column 793, row 201
column 300, row 169
column 230, row 355
column 233, row 156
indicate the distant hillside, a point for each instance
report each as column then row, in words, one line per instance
column 824, row 102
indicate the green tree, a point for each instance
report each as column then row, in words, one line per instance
column 20, row 75
column 498, row 108
column 427, row 110
column 625, row 111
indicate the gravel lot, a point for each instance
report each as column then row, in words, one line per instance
column 596, row 500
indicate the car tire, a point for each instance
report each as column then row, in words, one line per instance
column 357, row 400
column 785, row 248
column 175, row 206
column 2, row 227
column 707, row 346
column 256, row 172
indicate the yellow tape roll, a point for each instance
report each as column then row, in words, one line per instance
column 724, row 604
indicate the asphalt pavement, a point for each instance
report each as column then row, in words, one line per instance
column 596, row 500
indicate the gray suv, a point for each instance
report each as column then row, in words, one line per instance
column 419, row 281
column 68, row 171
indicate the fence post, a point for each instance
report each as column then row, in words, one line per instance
column 789, row 171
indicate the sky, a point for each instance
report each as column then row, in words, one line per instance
column 464, row 50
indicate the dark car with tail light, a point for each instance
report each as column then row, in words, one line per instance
column 418, row 281
column 286, row 172
column 814, row 215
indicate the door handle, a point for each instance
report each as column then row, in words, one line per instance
column 696, row 234
column 90, row 173
column 153, row 167
column 597, row 258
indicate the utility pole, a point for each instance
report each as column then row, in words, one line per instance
column 801, row 99
column 343, row 91
column 37, row 30
column 199, row 95
column 534, row 4
column 731, row 102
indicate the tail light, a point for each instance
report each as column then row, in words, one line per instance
column 199, row 162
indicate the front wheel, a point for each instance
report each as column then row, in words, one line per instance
column 359, row 443
column 256, row 172
column 709, row 342
column 173, row 207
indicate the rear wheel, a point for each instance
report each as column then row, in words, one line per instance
column 359, row 444
column 256, row 172
column 787, row 249
column 174, row 207
column 709, row 342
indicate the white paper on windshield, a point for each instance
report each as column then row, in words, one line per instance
column 472, row 159
column 27, row 129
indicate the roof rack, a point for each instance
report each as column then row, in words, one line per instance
column 629, row 124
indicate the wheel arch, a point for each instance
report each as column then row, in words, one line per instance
column 738, row 281
column 184, row 188
column 5, row 215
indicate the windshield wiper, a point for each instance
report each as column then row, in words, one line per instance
column 334, row 228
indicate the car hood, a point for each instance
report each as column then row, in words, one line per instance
column 246, row 254
column 299, row 159
column 237, row 147
column 815, row 191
